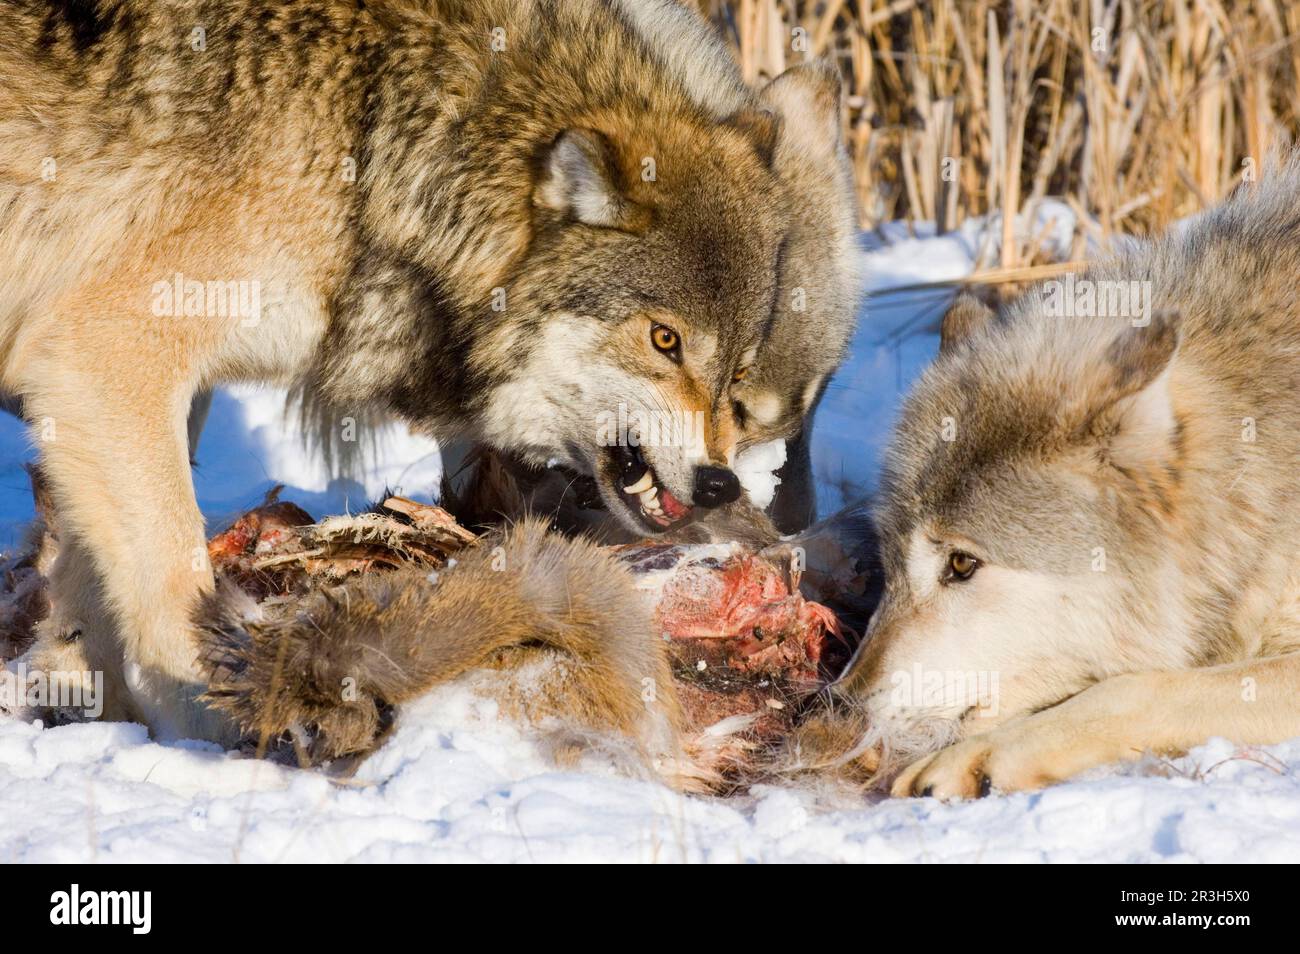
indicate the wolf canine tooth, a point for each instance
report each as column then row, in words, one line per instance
column 650, row 496
column 642, row 485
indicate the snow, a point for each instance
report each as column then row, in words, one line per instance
column 455, row 783
column 250, row 445
column 755, row 467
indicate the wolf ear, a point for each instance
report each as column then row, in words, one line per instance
column 807, row 98
column 579, row 179
column 763, row 127
column 964, row 317
column 1136, row 410
column 1138, row 356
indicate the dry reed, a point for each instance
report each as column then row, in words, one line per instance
column 1137, row 112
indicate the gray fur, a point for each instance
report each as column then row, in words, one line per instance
column 1128, row 484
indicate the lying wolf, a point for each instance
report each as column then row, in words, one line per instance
column 1089, row 519
column 512, row 219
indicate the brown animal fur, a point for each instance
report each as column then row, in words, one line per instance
column 333, row 671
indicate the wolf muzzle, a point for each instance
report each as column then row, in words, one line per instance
column 715, row 486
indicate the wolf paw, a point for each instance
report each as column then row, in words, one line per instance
column 1100, row 725
column 1015, row 759
column 959, row 771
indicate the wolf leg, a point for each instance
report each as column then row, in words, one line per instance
column 794, row 506
column 1256, row 702
column 63, row 648
column 111, row 429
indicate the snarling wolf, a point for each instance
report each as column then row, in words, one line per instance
column 774, row 399
column 1089, row 522
column 517, row 220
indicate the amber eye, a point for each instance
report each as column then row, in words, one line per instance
column 739, row 375
column 665, row 339
column 961, row 566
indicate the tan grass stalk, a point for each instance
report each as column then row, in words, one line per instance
column 1138, row 111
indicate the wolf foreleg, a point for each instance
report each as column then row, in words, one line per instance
column 110, row 427
column 1255, row 702
column 62, row 639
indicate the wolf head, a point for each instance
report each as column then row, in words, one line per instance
column 654, row 283
column 1023, row 517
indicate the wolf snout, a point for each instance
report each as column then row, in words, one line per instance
column 715, row 486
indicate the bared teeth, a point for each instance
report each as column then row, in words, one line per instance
column 646, row 482
column 647, row 495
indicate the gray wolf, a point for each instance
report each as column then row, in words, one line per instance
column 501, row 219
column 1089, row 523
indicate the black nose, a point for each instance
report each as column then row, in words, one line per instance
column 715, row 486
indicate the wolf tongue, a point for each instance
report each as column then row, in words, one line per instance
column 671, row 506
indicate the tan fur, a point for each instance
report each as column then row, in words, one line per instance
column 331, row 673
column 1120, row 719
column 106, row 384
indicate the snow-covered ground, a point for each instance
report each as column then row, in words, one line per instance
column 457, row 784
